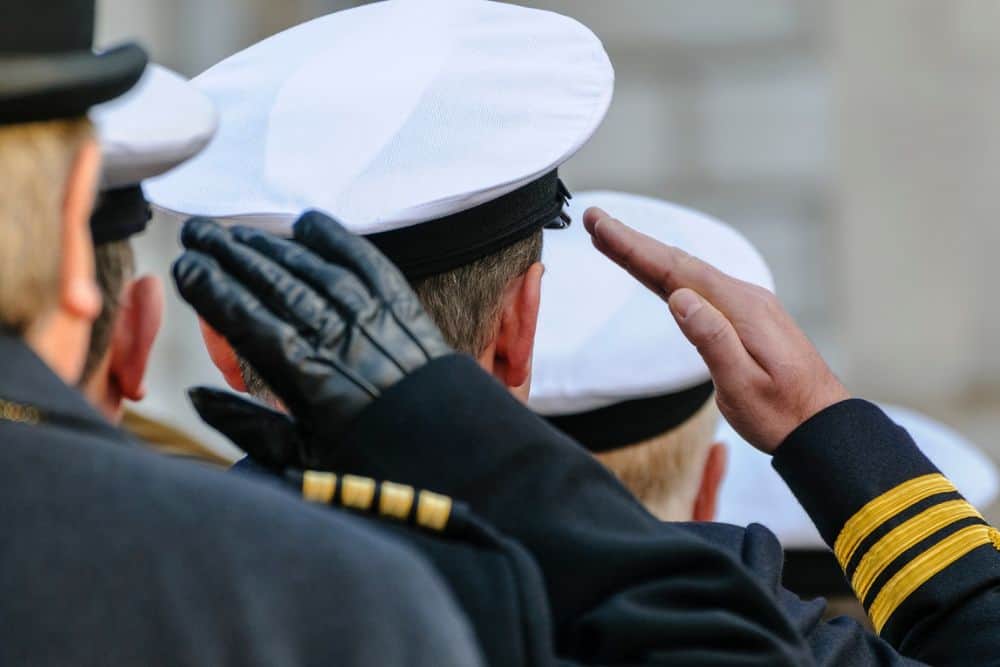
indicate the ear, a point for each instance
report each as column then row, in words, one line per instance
column 133, row 335
column 222, row 355
column 711, row 479
column 79, row 296
column 516, row 335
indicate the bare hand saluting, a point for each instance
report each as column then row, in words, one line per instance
column 769, row 378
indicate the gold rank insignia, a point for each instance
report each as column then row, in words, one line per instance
column 899, row 540
column 388, row 499
column 16, row 412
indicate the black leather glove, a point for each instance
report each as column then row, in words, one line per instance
column 326, row 319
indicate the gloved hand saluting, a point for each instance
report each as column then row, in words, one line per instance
column 326, row 319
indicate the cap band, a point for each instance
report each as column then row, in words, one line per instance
column 631, row 422
column 119, row 214
column 456, row 240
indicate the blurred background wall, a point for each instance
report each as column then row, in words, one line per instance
column 855, row 143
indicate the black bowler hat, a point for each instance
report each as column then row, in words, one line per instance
column 48, row 69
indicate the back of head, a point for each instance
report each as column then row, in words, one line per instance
column 50, row 77
column 665, row 471
column 157, row 125
column 36, row 160
column 114, row 265
column 442, row 150
column 465, row 302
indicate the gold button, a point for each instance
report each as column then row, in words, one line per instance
column 15, row 412
column 396, row 500
column 433, row 510
column 357, row 492
column 318, row 487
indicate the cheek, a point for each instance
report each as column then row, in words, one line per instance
column 219, row 350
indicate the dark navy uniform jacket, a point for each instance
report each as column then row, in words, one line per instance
column 110, row 555
column 624, row 588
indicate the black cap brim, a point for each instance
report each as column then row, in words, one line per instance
column 65, row 85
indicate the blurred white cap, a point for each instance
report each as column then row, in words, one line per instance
column 605, row 340
column 154, row 127
column 752, row 492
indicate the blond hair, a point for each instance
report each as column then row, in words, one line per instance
column 665, row 471
column 36, row 160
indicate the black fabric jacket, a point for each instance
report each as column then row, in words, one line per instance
column 492, row 578
column 624, row 588
column 110, row 555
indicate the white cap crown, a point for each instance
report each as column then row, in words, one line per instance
column 393, row 113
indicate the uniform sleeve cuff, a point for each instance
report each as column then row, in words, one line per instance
column 843, row 457
column 894, row 522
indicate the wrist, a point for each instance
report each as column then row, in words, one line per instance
column 819, row 404
column 842, row 457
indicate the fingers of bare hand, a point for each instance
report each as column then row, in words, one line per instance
column 660, row 267
column 767, row 331
column 732, row 367
column 759, row 320
column 644, row 257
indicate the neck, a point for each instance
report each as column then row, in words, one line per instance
column 486, row 362
column 103, row 393
column 61, row 343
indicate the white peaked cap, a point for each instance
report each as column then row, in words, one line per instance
column 603, row 338
column 393, row 114
column 158, row 124
column 753, row 492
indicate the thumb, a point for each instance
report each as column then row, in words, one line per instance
column 269, row 437
column 731, row 366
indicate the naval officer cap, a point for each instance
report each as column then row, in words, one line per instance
column 611, row 367
column 433, row 127
column 753, row 492
column 157, row 125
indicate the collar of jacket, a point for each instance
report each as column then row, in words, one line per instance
column 28, row 383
